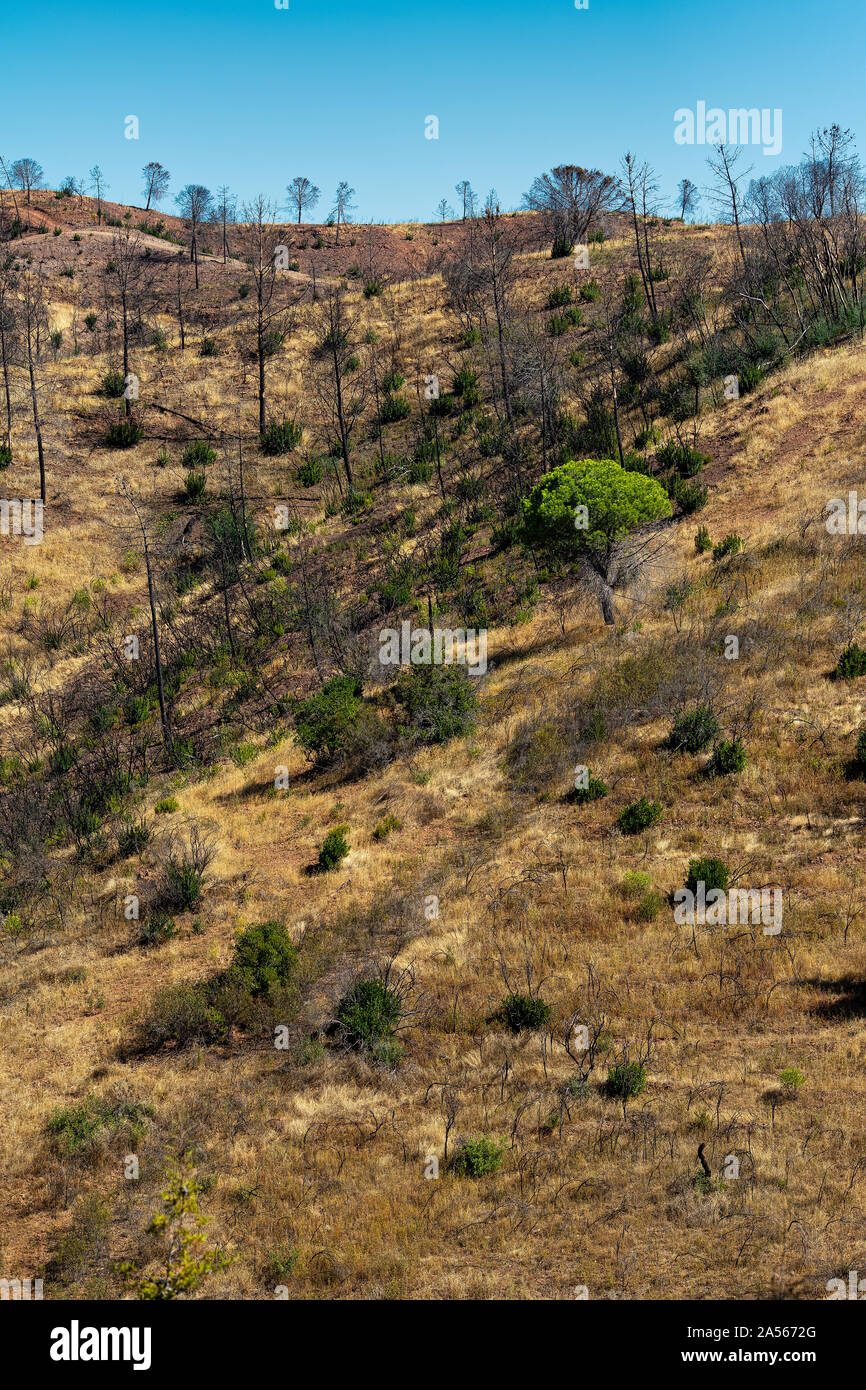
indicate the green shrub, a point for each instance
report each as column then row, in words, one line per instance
column 392, row 380
column 558, row 324
column 638, row 887
column 693, row 730
column 712, row 873
column 594, row 789
column 334, row 849
column 590, row 291
column 520, row 1012
column 165, row 805
column 420, row 470
column 394, row 408
column 207, row 347
column 264, row 956
column 640, row 815
column 132, row 837
column 197, row 455
column 244, row 753
column 280, row 437
column 5, row 455
column 440, row 702
column 466, row 388
column 194, row 485
column 558, row 297
column 324, row 722
column 158, row 926
column 385, row 827
column 369, row 1015
column 685, row 460
column 851, row 664
column 74, row 1128
column 182, row 1014
column 729, row 756
column 123, row 434
column 184, row 885
column 861, row 749
column 731, row 545
column 702, row 540
column 689, row 496
column 562, row 247
column 310, row 472
column 475, row 1157
column 114, row 385
column 792, row 1079
column 750, row 376
column 626, row 1080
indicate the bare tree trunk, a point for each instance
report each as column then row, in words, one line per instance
column 5, row 359
column 35, row 404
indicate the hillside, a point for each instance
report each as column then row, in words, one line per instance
column 473, row 873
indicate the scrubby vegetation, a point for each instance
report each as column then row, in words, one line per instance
column 360, row 935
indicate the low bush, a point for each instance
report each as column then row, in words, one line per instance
column 281, row 437
column 114, row 385
column 626, row 1080
column 157, row 927
column 594, row 789
column 522, row 1013
column 731, row 545
column 478, row 1156
column 197, row 455
column 693, row 730
column 712, row 873
column 368, row 1015
column 439, row 702
column 182, row 1014
column 264, row 956
column 558, row 297
column 310, row 472
column 640, row 815
column 558, row 324
column 334, row 849
column 75, row 1128
column 124, row 433
column 689, row 496
column 385, row 826
column 194, row 485
column 851, row 664
column 132, row 837
column 682, row 458
column 394, row 408
column 729, row 756
column 324, row 722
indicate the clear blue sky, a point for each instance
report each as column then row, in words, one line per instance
column 238, row 92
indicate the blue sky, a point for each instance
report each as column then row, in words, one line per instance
column 239, row 92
